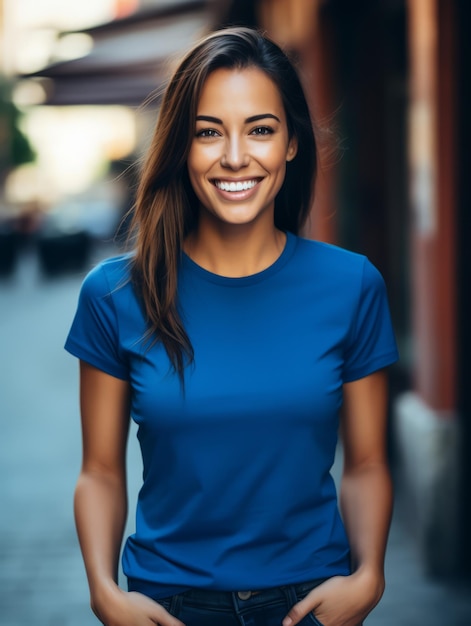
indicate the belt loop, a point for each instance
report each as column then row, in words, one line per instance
column 290, row 595
column 176, row 604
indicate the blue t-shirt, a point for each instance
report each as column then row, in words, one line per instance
column 237, row 491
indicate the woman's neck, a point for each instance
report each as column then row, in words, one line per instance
column 235, row 251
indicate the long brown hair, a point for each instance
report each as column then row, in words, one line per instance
column 166, row 207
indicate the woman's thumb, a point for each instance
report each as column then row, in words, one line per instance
column 296, row 613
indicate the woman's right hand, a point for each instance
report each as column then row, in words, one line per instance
column 129, row 608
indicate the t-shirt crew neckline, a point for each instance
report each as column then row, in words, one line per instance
column 242, row 281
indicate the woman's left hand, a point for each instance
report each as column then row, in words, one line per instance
column 340, row 601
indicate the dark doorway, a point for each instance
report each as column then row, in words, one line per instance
column 372, row 195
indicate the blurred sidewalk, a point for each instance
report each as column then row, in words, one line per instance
column 413, row 600
column 42, row 580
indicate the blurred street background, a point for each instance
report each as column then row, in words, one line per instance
column 388, row 83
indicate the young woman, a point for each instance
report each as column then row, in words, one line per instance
column 233, row 343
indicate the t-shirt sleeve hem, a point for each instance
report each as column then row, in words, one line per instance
column 93, row 359
column 371, row 366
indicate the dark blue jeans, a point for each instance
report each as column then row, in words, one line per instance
column 239, row 608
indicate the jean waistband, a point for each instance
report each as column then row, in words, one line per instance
column 205, row 597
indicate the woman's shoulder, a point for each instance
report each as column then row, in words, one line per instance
column 338, row 266
column 108, row 275
column 333, row 257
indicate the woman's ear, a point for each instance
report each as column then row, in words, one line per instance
column 292, row 148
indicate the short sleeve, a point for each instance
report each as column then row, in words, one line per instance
column 371, row 344
column 94, row 334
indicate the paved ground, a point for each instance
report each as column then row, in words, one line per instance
column 42, row 582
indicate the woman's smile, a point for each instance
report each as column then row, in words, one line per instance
column 231, row 186
column 231, row 190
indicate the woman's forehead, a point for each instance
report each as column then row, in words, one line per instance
column 239, row 89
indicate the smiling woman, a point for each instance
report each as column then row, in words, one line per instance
column 237, row 165
column 233, row 343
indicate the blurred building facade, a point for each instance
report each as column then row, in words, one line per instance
column 387, row 86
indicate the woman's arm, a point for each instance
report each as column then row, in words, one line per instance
column 366, row 506
column 101, row 501
column 100, row 495
column 366, row 489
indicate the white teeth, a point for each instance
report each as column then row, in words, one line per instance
column 239, row 186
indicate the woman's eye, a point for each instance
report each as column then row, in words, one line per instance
column 262, row 130
column 207, row 132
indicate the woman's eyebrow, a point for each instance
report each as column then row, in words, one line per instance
column 208, row 118
column 249, row 120
column 262, row 116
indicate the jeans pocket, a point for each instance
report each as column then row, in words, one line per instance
column 165, row 602
column 310, row 618
column 171, row 604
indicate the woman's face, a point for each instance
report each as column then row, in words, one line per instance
column 238, row 155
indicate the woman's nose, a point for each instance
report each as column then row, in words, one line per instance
column 235, row 155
